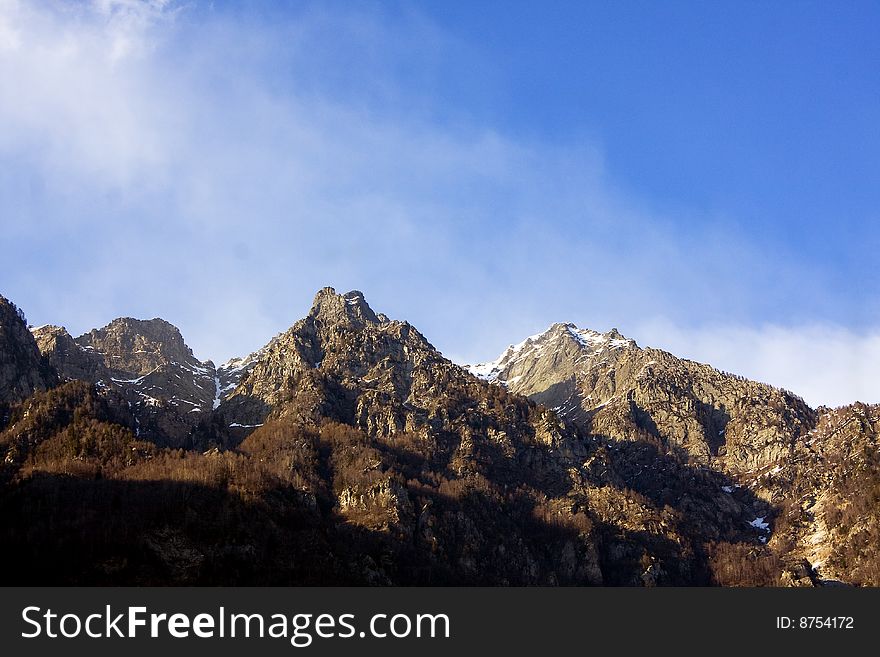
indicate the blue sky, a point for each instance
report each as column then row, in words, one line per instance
column 703, row 176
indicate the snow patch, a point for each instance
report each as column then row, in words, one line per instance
column 132, row 381
column 758, row 523
column 217, row 392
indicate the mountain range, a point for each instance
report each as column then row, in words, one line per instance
column 349, row 450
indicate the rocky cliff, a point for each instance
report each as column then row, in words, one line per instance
column 827, row 496
column 23, row 370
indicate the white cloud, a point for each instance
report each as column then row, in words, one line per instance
column 78, row 100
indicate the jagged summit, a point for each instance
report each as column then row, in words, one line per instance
column 71, row 359
column 351, row 307
column 169, row 391
column 148, row 363
column 604, row 382
column 608, row 385
column 341, row 344
column 138, row 345
column 230, row 373
column 125, row 346
column 562, row 344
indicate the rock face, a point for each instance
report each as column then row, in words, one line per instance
column 23, row 370
column 138, row 346
column 167, row 389
column 828, row 496
column 608, row 385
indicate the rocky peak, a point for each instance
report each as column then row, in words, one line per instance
column 23, row 370
column 166, row 390
column 608, row 385
column 385, row 384
column 350, row 308
column 550, row 357
column 137, row 346
column 341, row 344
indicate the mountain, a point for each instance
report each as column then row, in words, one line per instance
column 345, row 363
column 820, row 470
column 23, row 370
column 167, row 390
column 348, row 450
column 607, row 384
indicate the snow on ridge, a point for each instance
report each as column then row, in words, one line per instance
column 515, row 349
column 230, row 373
column 586, row 337
column 233, row 365
column 595, row 340
column 199, row 368
column 490, row 371
column 241, row 363
column 534, row 345
column 486, row 371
